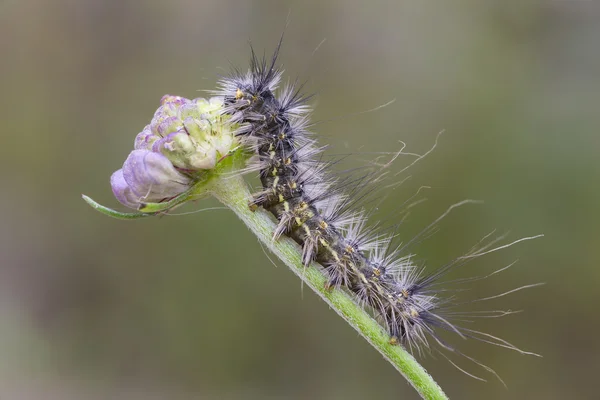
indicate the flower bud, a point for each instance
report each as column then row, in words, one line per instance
column 189, row 109
column 163, row 125
column 177, row 147
column 172, row 102
column 147, row 177
column 122, row 191
column 183, row 137
column 145, row 139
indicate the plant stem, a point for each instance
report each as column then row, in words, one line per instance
column 233, row 192
column 231, row 189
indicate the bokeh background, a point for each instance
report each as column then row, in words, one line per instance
column 189, row 307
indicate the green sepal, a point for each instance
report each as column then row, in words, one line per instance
column 113, row 213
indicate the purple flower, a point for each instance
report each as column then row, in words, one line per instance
column 162, row 125
column 173, row 102
column 145, row 139
column 147, row 177
column 122, row 191
column 184, row 135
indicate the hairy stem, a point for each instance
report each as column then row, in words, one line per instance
column 230, row 188
column 233, row 192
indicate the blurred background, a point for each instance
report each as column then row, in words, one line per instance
column 189, row 307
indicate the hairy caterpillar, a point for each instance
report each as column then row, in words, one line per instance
column 315, row 210
column 190, row 143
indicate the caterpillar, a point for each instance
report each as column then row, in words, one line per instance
column 325, row 214
column 313, row 209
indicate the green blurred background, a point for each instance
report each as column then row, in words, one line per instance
column 188, row 307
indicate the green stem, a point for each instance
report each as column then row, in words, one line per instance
column 231, row 189
column 233, row 192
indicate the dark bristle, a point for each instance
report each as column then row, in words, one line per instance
column 326, row 216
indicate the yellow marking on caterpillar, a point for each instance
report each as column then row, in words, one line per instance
column 379, row 288
column 334, row 255
column 405, row 293
column 363, row 278
column 281, row 136
column 293, row 185
column 414, row 313
column 286, row 205
column 306, row 230
column 323, row 224
column 272, row 154
column 376, row 272
column 332, row 252
column 354, row 268
column 302, row 215
column 287, row 161
column 281, row 199
column 275, row 182
column 239, row 94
